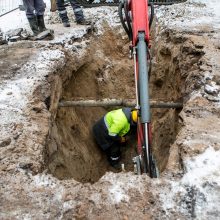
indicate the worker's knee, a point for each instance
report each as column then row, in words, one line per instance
column 40, row 8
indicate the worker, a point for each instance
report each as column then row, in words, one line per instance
column 78, row 12
column 111, row 130
column 35, row 15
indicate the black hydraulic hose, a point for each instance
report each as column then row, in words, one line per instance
column 128, row 20
column 151, row 13
column 120, row 7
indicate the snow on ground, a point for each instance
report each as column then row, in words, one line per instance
column 197, row 193
column 202, row 177
column 13, row 20
column 119, row 192
column 14, row 92
column 196, row 14
column 204, row 167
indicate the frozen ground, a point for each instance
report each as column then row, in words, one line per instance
column 197, row 14
column 188, row 188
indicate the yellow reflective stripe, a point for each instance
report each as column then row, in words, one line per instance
column 112, row 134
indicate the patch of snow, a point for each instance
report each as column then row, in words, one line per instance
column 202, row 168
column 207, row 75
column 198, row 192
column 69, row 36
column 12, row 101
column 13, row 20
column 212, row 88
column 117, row 193
column 168, row 195
column 48, row 56
column 44, row 180
column 108, row 15
column 191, row 15
column 15, row 92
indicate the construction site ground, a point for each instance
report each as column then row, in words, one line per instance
column 50, row 165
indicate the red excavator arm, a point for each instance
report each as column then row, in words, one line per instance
column 134, row 15
column 140, row 23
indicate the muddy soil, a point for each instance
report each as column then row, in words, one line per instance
column 174, row 57
column 107, row 73
column 50, row 165
column 13, row 57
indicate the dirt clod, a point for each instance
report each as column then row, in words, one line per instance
column 5, row 142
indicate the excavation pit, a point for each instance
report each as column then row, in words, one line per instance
column 55, row 178
column 108, row 73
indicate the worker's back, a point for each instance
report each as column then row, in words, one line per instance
column 117, row 123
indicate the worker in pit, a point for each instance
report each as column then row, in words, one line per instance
column 35, row 15
column 78, row 12
column 111, row 130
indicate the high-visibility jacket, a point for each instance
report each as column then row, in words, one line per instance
column 117, row 123
column 112, row 127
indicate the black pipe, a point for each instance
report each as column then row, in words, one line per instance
column 128, row 20
column 120, row 7
column 151, row 13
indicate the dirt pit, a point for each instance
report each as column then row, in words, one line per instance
column 108, row 73
column 186, row 143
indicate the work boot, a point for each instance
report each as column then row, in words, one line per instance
column 40, row 22
column 116, row 165
column 64, row 18
column 33, row 24
column 83, row 22
column 66, row 24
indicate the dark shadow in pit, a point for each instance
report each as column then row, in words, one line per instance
column 78, row 156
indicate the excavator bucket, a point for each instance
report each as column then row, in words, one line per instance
column 98, row 3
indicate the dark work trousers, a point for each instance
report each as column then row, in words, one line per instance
column 114, row 154
column 110, row 146
column 34, row 7
column 76, row 9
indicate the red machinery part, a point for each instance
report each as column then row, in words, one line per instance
column 140, row 23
